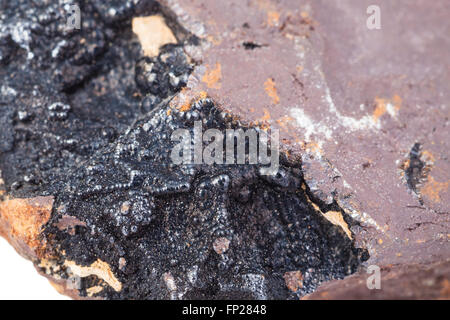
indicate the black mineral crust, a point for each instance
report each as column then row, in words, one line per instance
column 82, row 120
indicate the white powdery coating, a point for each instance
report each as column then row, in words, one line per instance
column 366, row 122
column 310, row 127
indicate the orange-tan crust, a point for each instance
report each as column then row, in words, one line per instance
column 21, row 222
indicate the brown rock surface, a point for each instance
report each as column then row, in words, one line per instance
column 413, row 281
column 349, row 102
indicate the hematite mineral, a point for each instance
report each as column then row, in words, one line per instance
column 86, row 119
column 88, row 189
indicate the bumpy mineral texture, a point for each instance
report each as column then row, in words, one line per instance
column 90, row 193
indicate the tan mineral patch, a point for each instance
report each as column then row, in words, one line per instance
column 49, row 267
column 271, row 90
column 99, row 268
column 122, row 263
column 273, row 18
column 153, row 33
column 428, row 157
column 266, row 116
column 125, row 207
column 445, row 291
column 433, row 188
column 213, row 76
column 380, row 109
column 94, row 290
column 21, row 222
column 293, row 280
column 392, row 106
column 314, row 148
column 169, row 281
column 221, row 245
column 397, row 102
column 335, row 217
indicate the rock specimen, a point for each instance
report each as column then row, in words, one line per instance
column 89, row 190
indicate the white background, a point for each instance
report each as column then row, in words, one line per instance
column 20, row 280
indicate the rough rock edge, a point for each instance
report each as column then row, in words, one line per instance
column 21, row 223
column 414, row 281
